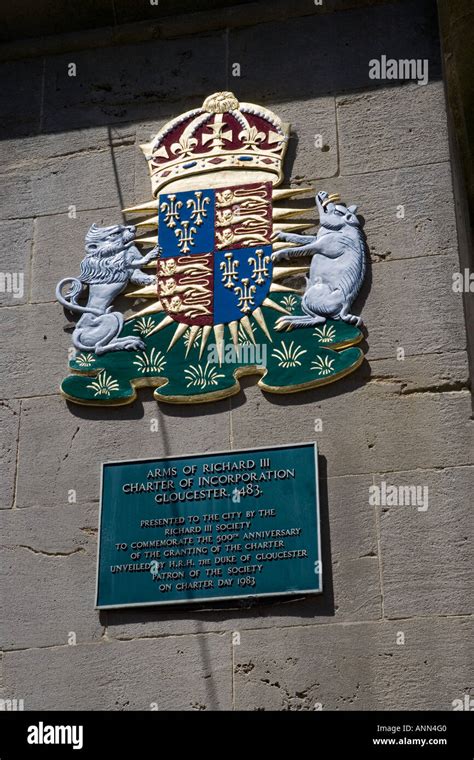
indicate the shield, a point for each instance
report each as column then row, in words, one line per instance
column 215, row 264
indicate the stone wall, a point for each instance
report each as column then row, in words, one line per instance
column 73, row 142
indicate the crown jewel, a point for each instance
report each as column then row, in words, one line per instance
column 222, row 136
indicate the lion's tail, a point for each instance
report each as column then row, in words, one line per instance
column 69, row 301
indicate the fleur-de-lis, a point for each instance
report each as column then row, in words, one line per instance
column 245, row 293
column 184, row 147
column 251, row 137
column 259, row 264
column 198, row 213
column 172, row 207
column 229, row 270
column 185, row 237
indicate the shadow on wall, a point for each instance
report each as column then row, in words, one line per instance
column 244, row 614
column 295, row 59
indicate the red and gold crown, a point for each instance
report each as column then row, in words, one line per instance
column 219, row 140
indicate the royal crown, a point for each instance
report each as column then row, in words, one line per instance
column 214, row 143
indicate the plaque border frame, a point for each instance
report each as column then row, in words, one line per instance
column 208, row 600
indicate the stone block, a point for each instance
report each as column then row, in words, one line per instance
column 88, row 179
column 427, row 558
column 16, row 240
column 9, row 423
column 33, row 151
column 428, row 226
column 323, row 53
column 410, row 304
column 312, row 150
column 21, row 97
column 16, row 199
column 34, row 348
column 50, row 554
column 354, row 667
column 434, row 372
column 380, row 131
column 175, row 673
column 50, row 18
column 126, row 82
column 128, row 11
column 362, row 426
column 96, row 179
column 78, row 438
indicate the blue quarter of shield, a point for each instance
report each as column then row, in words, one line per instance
column 242, row 279
column 186, row 222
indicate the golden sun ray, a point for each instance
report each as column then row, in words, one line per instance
column 179, row 332
column 260, row 320
column 234, row 331
column 288, row 192
column 164, row 323
column 193, row 333
column 147, row 240
column 152, row 221
column 149, row 291
column 153, row 308
column 282, row 213
column 280, row 272
column 151, row 205
column 273, row 305
column 246, row 324
column 205, row 334
column 291, row 227
column 278, row 194
column 219, row 334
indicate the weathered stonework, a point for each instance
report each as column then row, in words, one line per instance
column 69, row 156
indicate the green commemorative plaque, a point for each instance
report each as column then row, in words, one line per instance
column 210, row 527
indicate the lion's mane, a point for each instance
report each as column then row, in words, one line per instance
column 107, row 262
